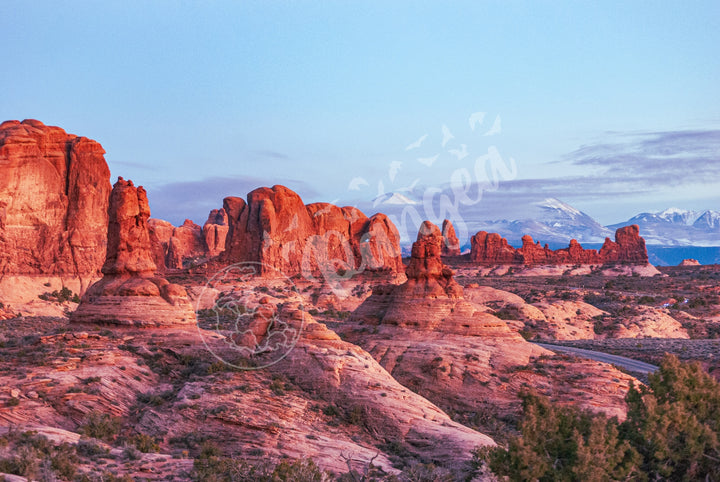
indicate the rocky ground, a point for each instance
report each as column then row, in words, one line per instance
column 145, row 403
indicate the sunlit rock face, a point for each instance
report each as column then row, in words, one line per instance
column 130, row 293
column 492, row 249
column 54, row 190
column 275, row 228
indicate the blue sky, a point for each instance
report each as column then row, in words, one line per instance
column 613, row 107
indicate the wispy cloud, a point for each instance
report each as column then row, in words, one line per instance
column 267, row 153
column 655, row 159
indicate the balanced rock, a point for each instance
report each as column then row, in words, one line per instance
column 54, row 190
column 492, row 249
column 130, row 293
column 276, row 229
column 451, row 243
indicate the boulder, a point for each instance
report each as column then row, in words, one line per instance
column 689, row 262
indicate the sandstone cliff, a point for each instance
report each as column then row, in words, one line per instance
column 129, row 292
column 275, row 228
column 492, row 249
column 54, row 190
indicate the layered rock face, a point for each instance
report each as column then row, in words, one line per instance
column 275, row 228
column 451, row 243
column 130, row 293
column 178, row 247
column 54, row 190
column 628, row 248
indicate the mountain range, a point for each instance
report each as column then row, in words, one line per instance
column 555, row 222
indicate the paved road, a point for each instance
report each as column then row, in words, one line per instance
column 621, row 361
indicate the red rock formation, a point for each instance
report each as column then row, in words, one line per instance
column 176, row 247
column 628, row 247
column 430, row 299
column 451, row 243
column 215, row 232
column 129, row 292
column 275, row 228
column 491, row 249
column 427, row 276
column 689, row 262
column 54, row 190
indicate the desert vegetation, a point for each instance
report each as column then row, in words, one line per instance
column 672, row 432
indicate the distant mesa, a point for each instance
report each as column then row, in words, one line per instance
column 130, row 293
column 275, row 228
column 54, row 191
column 492, row 249
column 689, row 262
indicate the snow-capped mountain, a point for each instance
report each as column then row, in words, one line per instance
column 678, row 227
column 549, row 221
column 394, row 199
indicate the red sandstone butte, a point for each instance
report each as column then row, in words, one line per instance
column 130, row 293
column 492, row 249
column 54, row 190
column 276, row 229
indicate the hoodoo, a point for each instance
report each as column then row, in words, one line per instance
column 130, row 293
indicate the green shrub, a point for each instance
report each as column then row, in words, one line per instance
column 672, row 432
column 101, row 426
column 145, row 443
